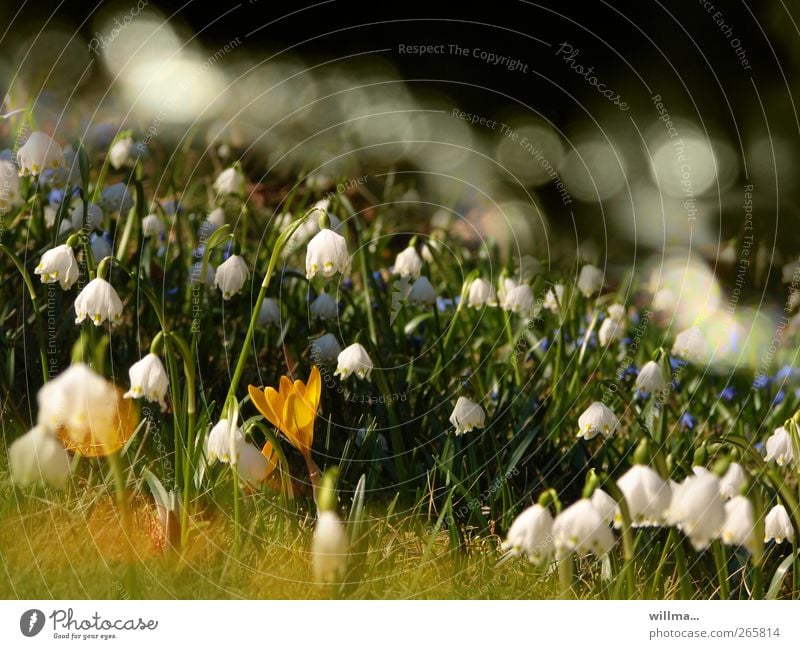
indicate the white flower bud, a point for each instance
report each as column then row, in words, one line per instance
column 731, row 483
column 481, row 293
column 224, row 443
column 230, row 181
column 153, row 226
column 778, row 525
column 646, row 494
column 325, row 348
column 37, row 456
column 739, row 526
column 422, row 292
column 779, row 447
column 519, row 299
column 329, row 549
column 408, row 263
column 650, row 378
column 697, row 509
column 689, row 345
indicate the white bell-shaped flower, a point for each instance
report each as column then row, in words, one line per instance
column 153, row 226
column 325, row 349
column 38, row 457
column 590, row 280
column 121, row 153
column 554, row 298
column 408, row 263
column 597, row 419
column 230, row 181
column 422, row 292
column 778, row 525
column 581, row 529
column 467, row 415
column 690, row 345
column 354, row 360
column 731, row 483
column 149, row 380
column 99, row 302
column 329, row 549
column 58, row 265
column 214, row 221
column 327, row 254
column 225, row 442
column 531, row 534
column 697, row 509
column 646, row 494
column 519, row 299
column 739, row 526
column 270, row 312
column 664, row 301
column 231, row 276
column 611, row 329
column 324, row 307
column 39, row 153
column 779, row 447
column 253, row 466
column 650, row 378
column 504, row 286
column 481, row 293
column 605, row 505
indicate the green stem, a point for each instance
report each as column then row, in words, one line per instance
column 721, row 563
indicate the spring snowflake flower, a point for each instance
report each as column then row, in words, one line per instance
column 664, row 301
column 231, row 275
column 520, row 300
column 38, row 457
column 408, row 263
column 504, row 286
column 324, row 307
column 254, row 466
column 481, row 293
column 153, row 226
column 214, row 221
column 270, row 313
column 581, row 529
column 225, row 442
column 58, row 265
column 196, row 272
column 329, row 549
column 121, row 153
column 9, row 186
column 689, row 345
column 94, row 215
column 99, row 302
column 650, row 378
column 590, row 280
column 611, row 329
column 467, row 415
column 739, row 526
column 553, row 298
column 531, row 534
column 647, row 495
column 325, row 348
column 86, row 412
column 422, row 292
column 597, row 418
column 230, row 181
column 779, row 447
column 39, row 153
column 149, row 380
column 778, row 525
column 354, row 360
column 116, row 198
column 731, row 483
column 327, row 254
column 605, row 505
column 697, row 509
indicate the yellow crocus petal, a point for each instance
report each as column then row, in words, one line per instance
column 275, row 403
column 314, row 388
column 289, row 427
column 304, row 416
column 299, row 387
column 259, row 399
column 285, row 387
column 272, row 457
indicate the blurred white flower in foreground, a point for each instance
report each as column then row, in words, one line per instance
column 697, row 509
column 650, row 378
column 121, row 153
column 231, row 275
column 324, row 307
column 58, row 265
column 605, row 505
column 467, row 415
column 38, row 456
column 99, row 302
column 325, row 348
column 778, row 525
column 531, row 534
column 519, row 299
column 9, row 186
column 422, row 292
column 327, row 254
column 779, row 447
column 581, row 529
column 554, row 298
column 739, row 526
column 646, row 494
column 148, row 379
column 731, row 483
column 408, row 263
column 481, row 293
column 329, row 548
column 253, row 466
column 39, row 153
column 689, row 345
column 153, row 226
column 597, row 419
column 354, row 360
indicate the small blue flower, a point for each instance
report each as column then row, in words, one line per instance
column 761, row 381
column 779, row 397
column 728, row 394
column 629, row 371
column 444, row 304
column 688, row 421
column 347, row 283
